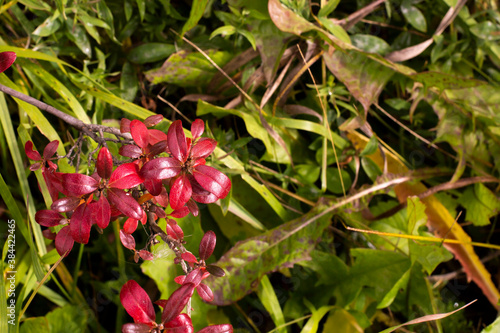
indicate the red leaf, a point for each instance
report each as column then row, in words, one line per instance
column 6, row 60
column 212, row 180
column 50, row 149
column 157, row 136
column 180, row 279
column 75, row 184
column 200, row 194
column 32, row 154
column 207, row 245
column 47, row 233
column 203, row 148
column 127, row 240
column 146, row 255
column 136, row 328
column 158, row 148
column 137, row 303
column 66, row 204
column 101, row 212
column 130, row 225
column 64, row 241
column 162, row 198
column 174, row 231
column 193, row 207
column 154, row 186
column 80, row 224
column 195, row 277
column 125, row 176
column 180, row 213
column 197, row 128
column 177, row 141
column 54, row 182
column 139, row 133
column 153, row 120
column 131, row 151
column 161, row 168
column 205, row 292
column 215, row 270
column 224, row 328
column 180, row 192
column 189, row 257
column 104, row 164
column 125, row 203
column 48, row 218
column 180, row 324
column 125, row 125
column 177, row 301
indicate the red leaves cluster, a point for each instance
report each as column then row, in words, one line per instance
column 167, row 169
column 138, row 305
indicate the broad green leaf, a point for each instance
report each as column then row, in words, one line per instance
column 77, row 34
column 249, row 260
column 188, row 69
column 480, row 204
column 486, row 30
column 445, row 81
column 129, row 84
column 333, row 182
column 414, row 16
column 415, row 213
column 371, row 147
column 393, row 292
column 377, row 269
column 371, row 169
column 307, row 173
column 340, row 320
column 35, row 324
column 370, row 44
column 49, row 26
column 226, row 30
column 363, row 77
column 150, row 52
column 69, row 318
column 268, row 298
column 329, row 268
column 197, row 10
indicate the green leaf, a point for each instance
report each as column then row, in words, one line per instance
column 141, row 4
column 77, row 34
column 371, row 147
column 268, row 298
column 312, row 324
column 493, row 327
column 371, row 168
column 69, row 318
column 129, row 84
column 328, row 8
column 377, row 269
column 333, row 183
column 49, row 26
column 340, row 320
column 329, row 268
column 480, row 204
column 187, row 69
column 393, row 292
column 363, row 77
column 371, row 44
column 35, row 324
column 197, row 10
column 486, row 30
column 414, row 16
column 307, row 173
column 335, row 29
column 445, row 81
column 226, row 30
column 150, row 52
column 249, row 260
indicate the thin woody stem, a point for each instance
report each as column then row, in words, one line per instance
column 87, row 129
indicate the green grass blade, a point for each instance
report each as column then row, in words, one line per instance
column 268, row 298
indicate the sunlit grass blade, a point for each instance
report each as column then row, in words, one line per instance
column 268, row 298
